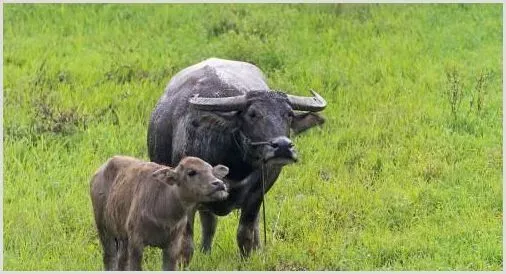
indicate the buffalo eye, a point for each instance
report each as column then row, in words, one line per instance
column 290, row 114
column 192, row 173
column 252, row 114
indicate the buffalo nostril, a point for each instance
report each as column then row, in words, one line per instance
column 216, row 183
column 282, row 144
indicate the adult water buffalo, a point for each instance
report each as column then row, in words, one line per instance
column 223, row 112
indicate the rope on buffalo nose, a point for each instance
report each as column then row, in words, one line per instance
column 263, row 188
column 263, row 206
column 260, row 143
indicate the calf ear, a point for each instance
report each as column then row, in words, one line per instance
column 165, row 175
column 220, row 171
column 305, row 120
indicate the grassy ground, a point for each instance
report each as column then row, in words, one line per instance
column 405, row 174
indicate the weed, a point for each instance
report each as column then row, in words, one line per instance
column 223, row 26
column 479, row 91
column 125, row 74
column 467, row 121
column 431, row 172
column 399, row 177
column 454, row 90
column 49, row 118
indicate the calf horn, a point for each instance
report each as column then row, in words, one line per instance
column 313, row 104
column 219, row 104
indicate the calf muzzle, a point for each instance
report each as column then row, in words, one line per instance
column 218, row 186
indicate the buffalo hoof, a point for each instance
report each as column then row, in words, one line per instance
column 247, row 239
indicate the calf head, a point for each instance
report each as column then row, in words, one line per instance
column 198, row 180
column 261, row 122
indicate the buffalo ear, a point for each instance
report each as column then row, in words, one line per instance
column 218, row 120
column 305, row 120
column 220, row 171
column 165, row 175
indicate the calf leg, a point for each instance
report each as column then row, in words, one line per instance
column 187, row 246
column 122, row 255
column 169, row 261
column 135, row 251
column 208, row 221
column 109, row 248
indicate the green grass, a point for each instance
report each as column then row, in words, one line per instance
column 393, row 181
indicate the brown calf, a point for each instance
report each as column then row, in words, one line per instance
column 138, row 204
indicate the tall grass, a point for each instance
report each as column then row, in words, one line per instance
column 404, row 175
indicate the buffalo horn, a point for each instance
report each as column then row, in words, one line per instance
column 218, row 104
column 313, row 104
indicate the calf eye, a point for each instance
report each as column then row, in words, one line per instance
column 192, row 173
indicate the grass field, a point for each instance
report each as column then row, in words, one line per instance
column 406, row 174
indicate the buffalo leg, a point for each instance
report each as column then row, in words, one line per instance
column 208, row 221
column 247, row 232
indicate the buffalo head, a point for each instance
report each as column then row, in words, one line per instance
column 261, row 122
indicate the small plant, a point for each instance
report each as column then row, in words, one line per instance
column 454, row 90
column 222, row 27
column 478, row 95
column 48, row 118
